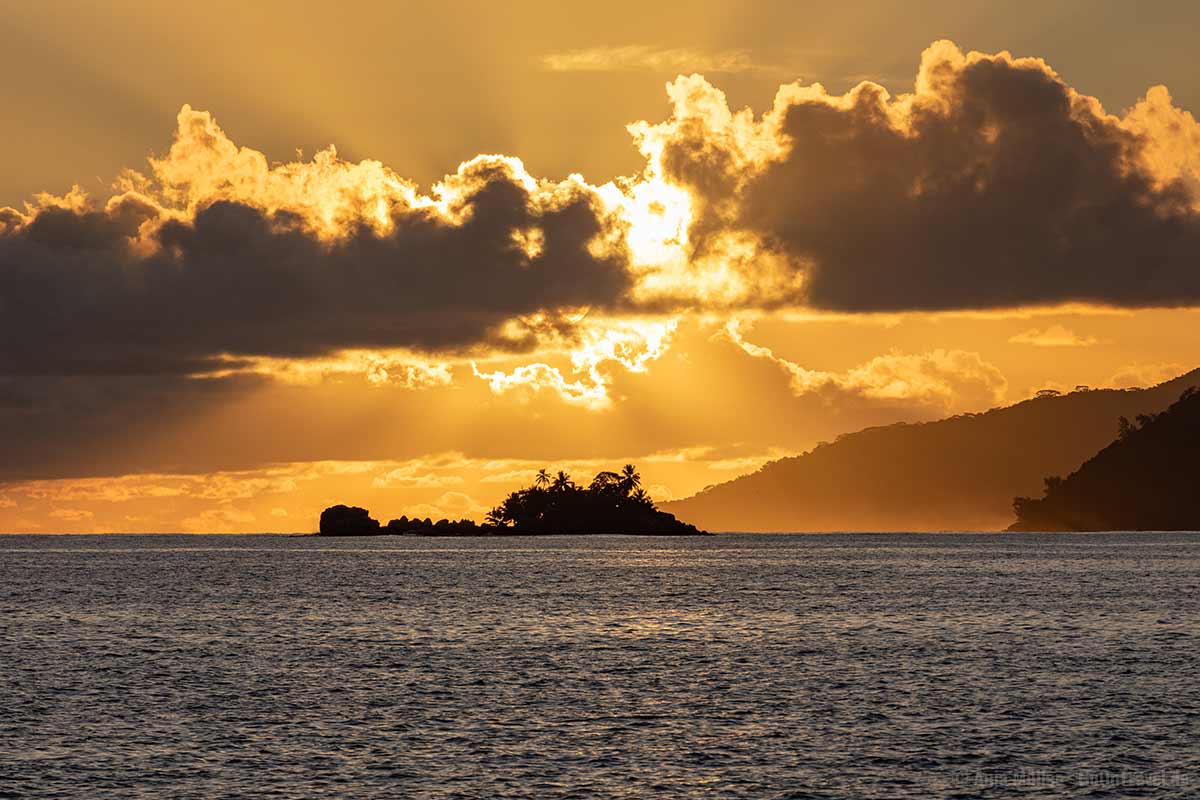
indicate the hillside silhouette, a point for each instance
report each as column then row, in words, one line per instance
column 613, row 502
column 1144, row 480
column 959, row 473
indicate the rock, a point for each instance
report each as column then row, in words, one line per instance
column 342, row 520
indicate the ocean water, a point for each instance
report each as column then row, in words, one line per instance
column 840, row 666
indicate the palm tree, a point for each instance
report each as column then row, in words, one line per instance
column 630, row 479
column 542, row 479
column 562, row 482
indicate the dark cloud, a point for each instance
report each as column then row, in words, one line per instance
column 77, row 295
column 998, row 186
column 995, row 184
column 55, row 426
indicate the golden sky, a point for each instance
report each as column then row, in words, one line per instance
column 258, row 260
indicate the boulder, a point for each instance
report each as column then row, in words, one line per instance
column 342, row 520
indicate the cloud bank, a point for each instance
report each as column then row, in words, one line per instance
column 991, row 184
column 946, row 380
column 221, row 255
column 1053, row 336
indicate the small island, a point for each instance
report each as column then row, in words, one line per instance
column 614, row 502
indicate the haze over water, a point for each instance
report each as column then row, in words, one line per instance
column 881, row 666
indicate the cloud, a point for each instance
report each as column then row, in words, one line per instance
column 376, row 368
column 946, row 379
column 222, row 486
column 994, row 184
column 71, row 514
column 418, row 375
column 651, row 59
column 735, row 457
column 630, row 345
column 1134, row 376
column 219, row 254
column 70, row 425
column 1053, row 336
column 410, row 477
column 521, row 476
column 659, row 493
column 589, row 391
column 450, row 505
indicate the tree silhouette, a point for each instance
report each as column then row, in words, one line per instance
column 614, row 502
column 630, row 479
column 605, row 482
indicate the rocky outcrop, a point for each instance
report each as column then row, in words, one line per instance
column 348, row 521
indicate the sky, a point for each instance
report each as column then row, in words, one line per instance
column 258, row 260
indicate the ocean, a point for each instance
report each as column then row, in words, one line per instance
column 732, row 666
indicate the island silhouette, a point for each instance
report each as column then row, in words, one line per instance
column 958, row 473
column 1144, row 480
column 614, row 502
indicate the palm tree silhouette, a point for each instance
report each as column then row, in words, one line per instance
column 562, row 482
column 542, row 479
column 630, row 479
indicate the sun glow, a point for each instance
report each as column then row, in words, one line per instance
column 658, row 215
column 628, row 344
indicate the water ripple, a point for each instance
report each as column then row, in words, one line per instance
column 610, row 667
